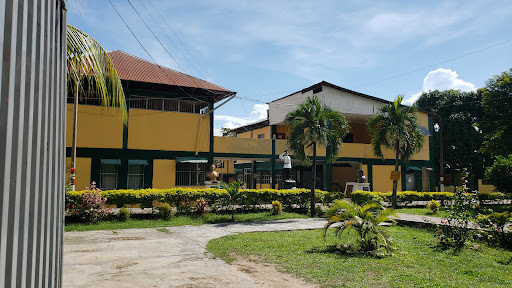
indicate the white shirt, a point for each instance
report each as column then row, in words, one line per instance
column 287, row 161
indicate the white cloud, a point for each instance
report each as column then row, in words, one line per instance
column 258, row 113
column 441, row 79
column 446, row 79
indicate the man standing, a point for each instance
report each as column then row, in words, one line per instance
column 287, row 165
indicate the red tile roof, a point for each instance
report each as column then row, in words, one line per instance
column 133, row 68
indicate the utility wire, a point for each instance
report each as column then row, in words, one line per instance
column 175, row 46
column 430, row 66
column 176, row 35
column 148, row 52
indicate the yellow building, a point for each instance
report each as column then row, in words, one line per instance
column 169, row 139
column 169, row 136
column 356, row 153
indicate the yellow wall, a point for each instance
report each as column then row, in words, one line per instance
column 170, row 131
column 164, row 173
column 282, row 129
column 83, row 172
column 342, row 175
column 242, row 145
column 482, row 188
column 264, row 130
column 381, row 182
column 246, row 134
column 97, row 127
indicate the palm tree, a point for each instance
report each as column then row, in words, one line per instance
column 396, row 127
column 89, row 64
column 363, row 219
column 312, row 125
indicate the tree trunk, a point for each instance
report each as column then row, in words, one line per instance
column 313, row 185
column 395, row 182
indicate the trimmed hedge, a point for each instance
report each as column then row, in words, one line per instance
column 409, row 196
column 184, row 196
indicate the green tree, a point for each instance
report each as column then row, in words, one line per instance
column 396, row 127
column 497, row 121
column 311, row 125
column 226, row 132
column 500, row 174
column 90, row 71
column 363, row 219
column 462, row 139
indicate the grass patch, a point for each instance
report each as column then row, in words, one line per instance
column 424, row 211
column 415, row 263
column 180, row 221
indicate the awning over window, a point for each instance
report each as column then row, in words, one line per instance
column 414, row 168
column 137, row 162
column 191, row 160
column 424, row 131
column 111, row 161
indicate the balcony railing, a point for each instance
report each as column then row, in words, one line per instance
column 151, row 103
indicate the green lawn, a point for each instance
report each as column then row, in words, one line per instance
column 423, row 211
column 179, row 221
column 415, row 263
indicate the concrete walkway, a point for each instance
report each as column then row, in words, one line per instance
column 150, row 258
column 169, row 257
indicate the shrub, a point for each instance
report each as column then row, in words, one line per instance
column 201, row 206
column 123, row 214
column 165, row 212
column 500, row 174
column 364, row 220
column 277, row 208
column 455, row 232
column 433, row 205
column 91, row 207
column 233, row 195
column 361, row 197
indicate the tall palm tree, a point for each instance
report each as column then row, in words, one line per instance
column 89, row 65
column 396, row 127
column 312, row 125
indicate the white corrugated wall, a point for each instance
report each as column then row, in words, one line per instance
column 32, row 141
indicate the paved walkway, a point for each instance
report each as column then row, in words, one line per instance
column 150, row 258
column 174, row 257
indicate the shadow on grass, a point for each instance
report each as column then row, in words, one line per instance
column 343, row 252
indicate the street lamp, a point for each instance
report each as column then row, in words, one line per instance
column 437, row 128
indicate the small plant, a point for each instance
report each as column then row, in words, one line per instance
column 454, row 231
column 364, row 220
column 433, row 205
column 201, row 207
column 233, row 196
column 92, row 207
column 165, row 212
column 277, row 208
column 123, row 215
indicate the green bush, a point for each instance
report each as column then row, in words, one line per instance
column 500, row 174
column 165, row 212
column 123, row 214
column 361, row 197
column 433, row 205
column 186, row 197
column 277, row 207
column 409, row 196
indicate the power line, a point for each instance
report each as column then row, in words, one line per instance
column 148, row 52
column 430, row 66
column 176, row 35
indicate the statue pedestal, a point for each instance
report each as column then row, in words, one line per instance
column 212, row 184
column 355, row 187
column 287, row 184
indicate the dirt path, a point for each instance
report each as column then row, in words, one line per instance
column 171, row 257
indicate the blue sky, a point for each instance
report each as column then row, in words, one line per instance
column 265, row 50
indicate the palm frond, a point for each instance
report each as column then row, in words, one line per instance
column 88, row 63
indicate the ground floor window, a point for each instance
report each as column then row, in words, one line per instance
column 108, row 176
column 425, row 181
column 135, row 176
column 410, row 182
column 190, row 174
